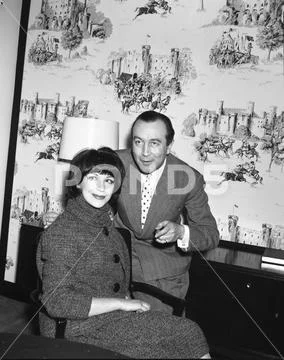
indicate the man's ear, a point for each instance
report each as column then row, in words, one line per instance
column 169, row 147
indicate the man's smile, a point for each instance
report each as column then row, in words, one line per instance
column 146, row 162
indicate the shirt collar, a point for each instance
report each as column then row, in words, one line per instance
column 155, row 174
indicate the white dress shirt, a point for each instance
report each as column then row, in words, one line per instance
column 153, row 181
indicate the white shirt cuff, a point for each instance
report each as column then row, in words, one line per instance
column 184, row 242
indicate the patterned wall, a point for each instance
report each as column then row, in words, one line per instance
column 216, row 68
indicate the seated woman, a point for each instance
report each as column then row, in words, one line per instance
column 84, row 265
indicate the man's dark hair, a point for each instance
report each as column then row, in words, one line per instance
column 86, row 160
column 152, row 116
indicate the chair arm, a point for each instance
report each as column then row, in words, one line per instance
column 176, row 303
column 59, row 321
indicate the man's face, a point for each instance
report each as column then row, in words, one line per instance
column 149, row 145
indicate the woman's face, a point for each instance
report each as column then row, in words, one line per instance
column 97, row 188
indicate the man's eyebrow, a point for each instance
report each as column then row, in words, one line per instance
column 154, row 139
column 159, row 140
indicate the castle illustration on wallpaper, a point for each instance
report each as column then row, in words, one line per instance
column 74, row 21
column 144, row 80
column 62, row 15
column 176, row 64
column 256, row 135
column 238, row 121
column 28, row 206
column 266, row 236
column 247, row 12
column 52, row 109
column 42, row 119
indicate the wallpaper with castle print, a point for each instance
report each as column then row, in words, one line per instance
column 216, row 68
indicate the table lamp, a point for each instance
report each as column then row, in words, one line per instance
column 82, row 133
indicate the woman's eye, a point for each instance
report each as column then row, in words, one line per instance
column 92, row 177
column 110, row 181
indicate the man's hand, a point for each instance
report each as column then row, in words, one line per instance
column 48, row 218
column 168, row 231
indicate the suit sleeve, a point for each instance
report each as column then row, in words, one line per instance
column 204, row 234
column 57, row 259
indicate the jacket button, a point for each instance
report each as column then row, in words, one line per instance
column 105, row 231
column 116, row 258
column 116, row 287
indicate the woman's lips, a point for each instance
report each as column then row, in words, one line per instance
column 99, row 197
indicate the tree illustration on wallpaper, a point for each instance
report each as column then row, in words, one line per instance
column 273, row 141
column 270, row 37
column 71, row 39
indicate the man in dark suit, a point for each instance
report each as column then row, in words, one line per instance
column 158, row 192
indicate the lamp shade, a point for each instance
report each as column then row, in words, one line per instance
column 83, row 133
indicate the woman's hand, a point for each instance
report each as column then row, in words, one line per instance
column 105, row 305
column 134, row 305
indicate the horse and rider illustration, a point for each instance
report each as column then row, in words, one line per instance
column 245, row 172
column 139, row 101
column 218, row 145
column 153, row 7
column 49, row 153
column 31, row 130
column 247, row 150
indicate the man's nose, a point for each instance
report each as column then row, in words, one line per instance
column 146, row 149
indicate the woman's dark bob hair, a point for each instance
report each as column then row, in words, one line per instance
column 85, row 161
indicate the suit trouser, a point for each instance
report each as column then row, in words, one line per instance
column 176, row 285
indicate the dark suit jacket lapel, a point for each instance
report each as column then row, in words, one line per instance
column 132, row 197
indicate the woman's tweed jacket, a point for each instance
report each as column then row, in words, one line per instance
column 80, row 256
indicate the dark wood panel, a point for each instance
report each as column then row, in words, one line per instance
column 237, row 306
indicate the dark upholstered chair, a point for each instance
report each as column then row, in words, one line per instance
column 177, row 304
column 60, row 322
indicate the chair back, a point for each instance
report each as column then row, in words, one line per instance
column 60, row 323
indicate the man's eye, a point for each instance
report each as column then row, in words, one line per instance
column 154, row 143
column 137, row 142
